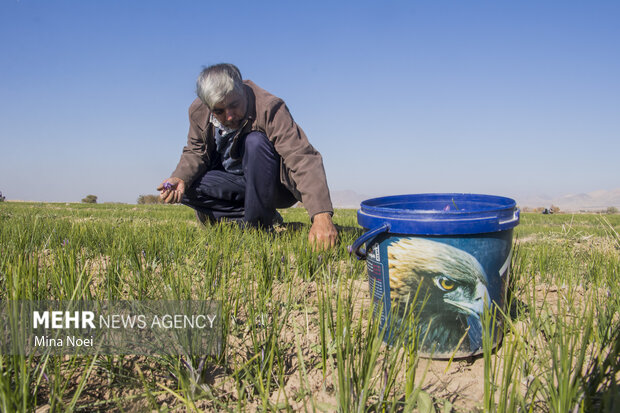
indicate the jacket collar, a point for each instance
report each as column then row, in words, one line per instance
column 251, row 98
column 246, row 127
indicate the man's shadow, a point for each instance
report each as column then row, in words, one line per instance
column 299, row 226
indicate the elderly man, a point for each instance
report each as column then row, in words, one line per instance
column 245, row 156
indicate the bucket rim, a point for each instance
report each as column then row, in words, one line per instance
column 413, row 214
column 378, row 203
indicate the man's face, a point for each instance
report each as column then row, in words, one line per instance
column 231, row 111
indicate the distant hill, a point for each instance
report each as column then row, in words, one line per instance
column 591, row 201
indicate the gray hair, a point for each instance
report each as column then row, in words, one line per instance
column 217, row 81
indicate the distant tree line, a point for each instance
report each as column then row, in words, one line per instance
column 542, row 210
column 149, row 199
column 142, row 199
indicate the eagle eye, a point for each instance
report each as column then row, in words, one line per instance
column 445, row 284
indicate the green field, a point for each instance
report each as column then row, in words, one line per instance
column 299, row 333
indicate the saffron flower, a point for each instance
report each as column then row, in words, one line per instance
column 167, row 186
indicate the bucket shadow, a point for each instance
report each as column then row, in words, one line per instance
column 517, row 309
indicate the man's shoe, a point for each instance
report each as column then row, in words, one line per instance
column 202, row 217
column 277, row 220
column 277, row 223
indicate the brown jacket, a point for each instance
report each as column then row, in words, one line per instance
column 301, row 166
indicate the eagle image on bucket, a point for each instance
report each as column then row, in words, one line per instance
column 453, row 286
column 443, row 259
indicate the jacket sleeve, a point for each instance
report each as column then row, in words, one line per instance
column 303, row 163
column 194, row 159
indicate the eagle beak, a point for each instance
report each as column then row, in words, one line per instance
column 481, row 299
column 476, row 306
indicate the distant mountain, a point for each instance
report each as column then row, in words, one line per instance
column 591, row 201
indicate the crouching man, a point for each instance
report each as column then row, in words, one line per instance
column 245, row 156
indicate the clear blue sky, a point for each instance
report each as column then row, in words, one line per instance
column 505, row 97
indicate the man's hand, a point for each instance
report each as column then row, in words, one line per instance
column 171, row 190
column 323, row 233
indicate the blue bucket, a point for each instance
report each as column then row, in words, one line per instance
column 453, row 250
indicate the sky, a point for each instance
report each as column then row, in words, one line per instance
column 505, row 98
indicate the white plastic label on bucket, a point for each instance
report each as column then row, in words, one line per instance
column 441, row 260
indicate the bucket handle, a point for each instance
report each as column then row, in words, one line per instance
column 357, row 248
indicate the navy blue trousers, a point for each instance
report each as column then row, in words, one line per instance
column 252, row 197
